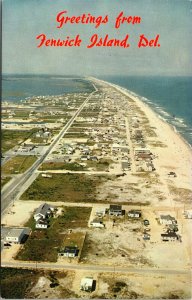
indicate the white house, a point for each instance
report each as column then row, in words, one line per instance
column 46, row 175
column 97, row 223
column 134, row 214
column 43, row 211
column 69, row 251
column 84, row 157
column 167, row 220
column 87, row 284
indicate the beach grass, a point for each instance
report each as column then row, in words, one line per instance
column 64, row 187
column 61, row 166
column 15, row 283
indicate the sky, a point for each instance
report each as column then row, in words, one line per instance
column 24, row 20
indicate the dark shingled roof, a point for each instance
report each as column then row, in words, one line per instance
column 115, row 207
column 43, row 209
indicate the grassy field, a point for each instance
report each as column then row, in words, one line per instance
column 75, row 239
column 101, row 165
column 24, row 114
column 65, row 187
column 75, row 135
column 76, row 129
column 180, row 194
column 43, row 244
column 61, row 166
column 16, row 282
column 40, row 140
column 11, row 138
column 18, row 164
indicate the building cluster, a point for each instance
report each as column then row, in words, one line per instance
column 171, row 227
column 144, row 159
column 64, row 102
column 103, row 122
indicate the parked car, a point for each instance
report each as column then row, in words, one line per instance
column 173, row 174
column 146, row 222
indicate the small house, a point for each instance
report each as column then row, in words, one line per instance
column 167, row 220
column 97, row 223
column 188, row 214
column 69, row 251
column 45, row 175
column 134, row 214
column 169, row 236
column 87, row 284
column 84, row 157
column 115, row 210
column 172, row 174
column 146, row 236
column 43, row 211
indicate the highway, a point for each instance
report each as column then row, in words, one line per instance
column 12, row 193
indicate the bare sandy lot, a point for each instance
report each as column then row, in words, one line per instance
column 148, row 286
column 114, row 285
column 121, row 243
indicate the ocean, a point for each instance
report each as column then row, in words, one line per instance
column 170, row 97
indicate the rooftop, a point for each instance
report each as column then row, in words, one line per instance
column 115, row 207
column 167, row 217
column 43, row 209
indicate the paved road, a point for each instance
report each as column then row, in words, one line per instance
column 133, row 167
column 18, row 187
column 95, row 268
